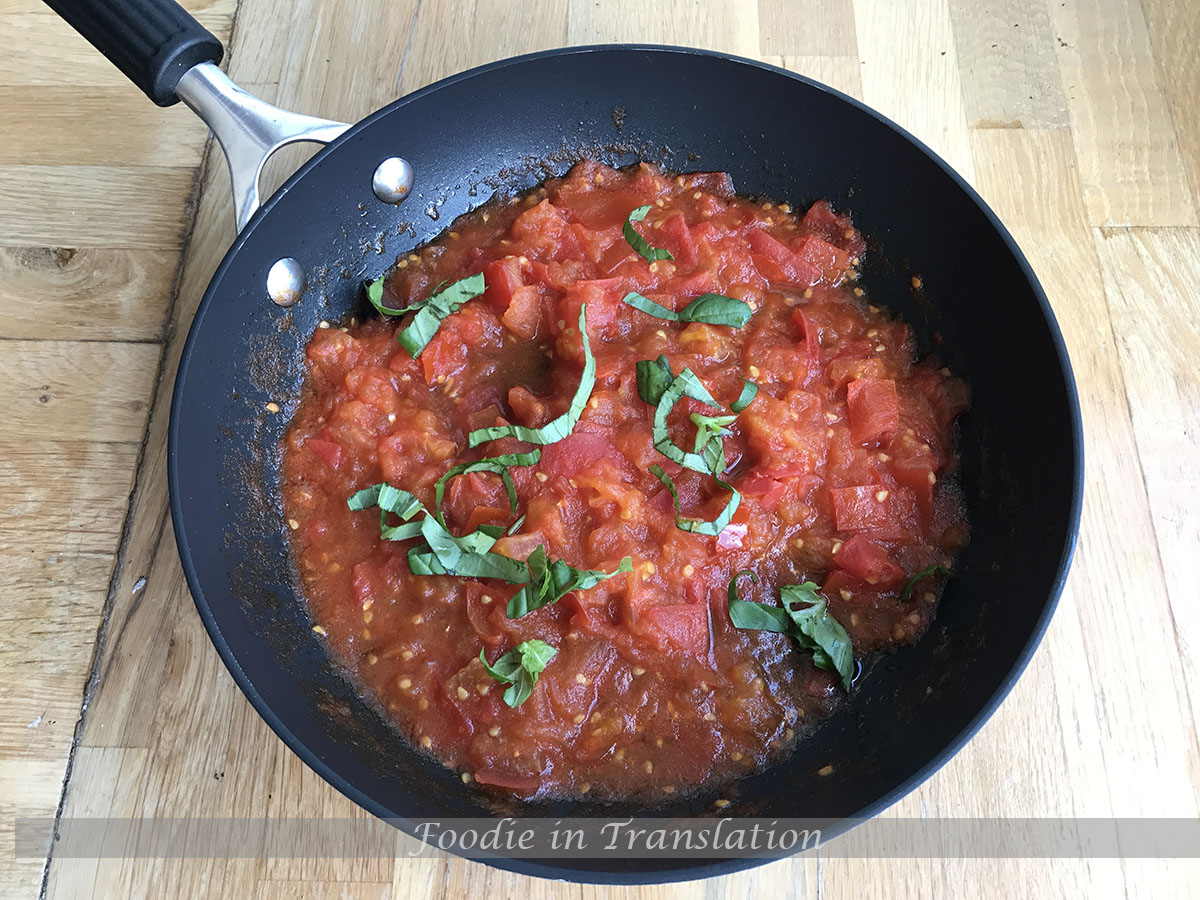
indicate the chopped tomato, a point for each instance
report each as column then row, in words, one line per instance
column 864, row 558
column 874, row 409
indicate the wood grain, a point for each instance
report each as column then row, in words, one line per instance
column 1074, row 118
column 910, row 73
column 1128, row 154
column 126, row 294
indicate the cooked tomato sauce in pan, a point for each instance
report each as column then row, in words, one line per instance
column 843, row 463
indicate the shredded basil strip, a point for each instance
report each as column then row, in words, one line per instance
column 700, row 526
column 559, row 428
column 712, row 309
column 519, row 668
column 639, row 243
column 550, row 581
column 654, row 376
column 755, row 616
column 686, row 384
column 804, row 615
column 496, row 464
column 924, row 573
column 390, row 500
column 375, row 295
column 435, row 309
column 746, row 397
column 468, row 556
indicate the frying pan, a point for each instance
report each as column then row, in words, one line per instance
column 504, row 127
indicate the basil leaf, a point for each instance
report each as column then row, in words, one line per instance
column 755, row 616
column 639, row 243
column 496, row 464
column 549, row 582
column 712, row 309
column 559, row 428
column 924, row 573
column 709, row 444
column 389, row 500
column 700, row 526
column 375, row 295
column 823, row 633
column 686, row 384
column 467, row 556
column 746, row 397
column 435, row 309
column 520, row 667
column 804, row 614
column 717, row 309
column 654, row 376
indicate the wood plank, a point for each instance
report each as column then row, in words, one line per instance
column 451, row 36
column 43, row 123
column 1010, row 72
column 806, row 28
column 1031, row 179
column 910, row 73
column 728, row 25
column 80, row 206
column 1149, row 278
column 1174, row 37
column 43, row 49
column 80, row 391
column 1129, row 161
column 85, row 295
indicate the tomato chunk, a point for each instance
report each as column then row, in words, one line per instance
column 864, row 558
column 874, row 409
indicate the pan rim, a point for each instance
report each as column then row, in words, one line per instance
column 684, row 871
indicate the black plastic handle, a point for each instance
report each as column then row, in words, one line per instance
column 152, row 41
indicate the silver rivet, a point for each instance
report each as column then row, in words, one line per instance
column 393, row 180
column 285, row 282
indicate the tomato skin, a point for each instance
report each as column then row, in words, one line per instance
column 793, row 268
column 874, row 409
column 329, row 452
column 685, row 625
column 831, row 260
column 503, row 278
column 865, row 559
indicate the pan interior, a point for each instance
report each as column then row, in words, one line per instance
column 505, row 128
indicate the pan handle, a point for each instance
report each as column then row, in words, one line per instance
column 152, row 41
column 172, row 57
column 249, row 129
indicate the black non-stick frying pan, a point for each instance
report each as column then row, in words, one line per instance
column 504, row 127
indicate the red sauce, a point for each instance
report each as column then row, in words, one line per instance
column 845, row 462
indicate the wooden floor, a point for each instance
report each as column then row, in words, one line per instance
column 1079, row 121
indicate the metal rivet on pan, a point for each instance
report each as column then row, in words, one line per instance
column 393, row 180
column 285, row 281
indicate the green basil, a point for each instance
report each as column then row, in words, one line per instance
column 685, row 385
column 924, row 573
column 559, row 428
column 639, row 243
column 746, row 397
column 700, row 526
column 519, row 668
column 712, row 309
column 390, row 500
column 420, row 331
column 468, row 556
column 654, row 376
column 375, row 295
column 551, row 581
column 804, row 615
column 496, row 464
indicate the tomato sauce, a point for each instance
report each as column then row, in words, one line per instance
column 845, row 462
